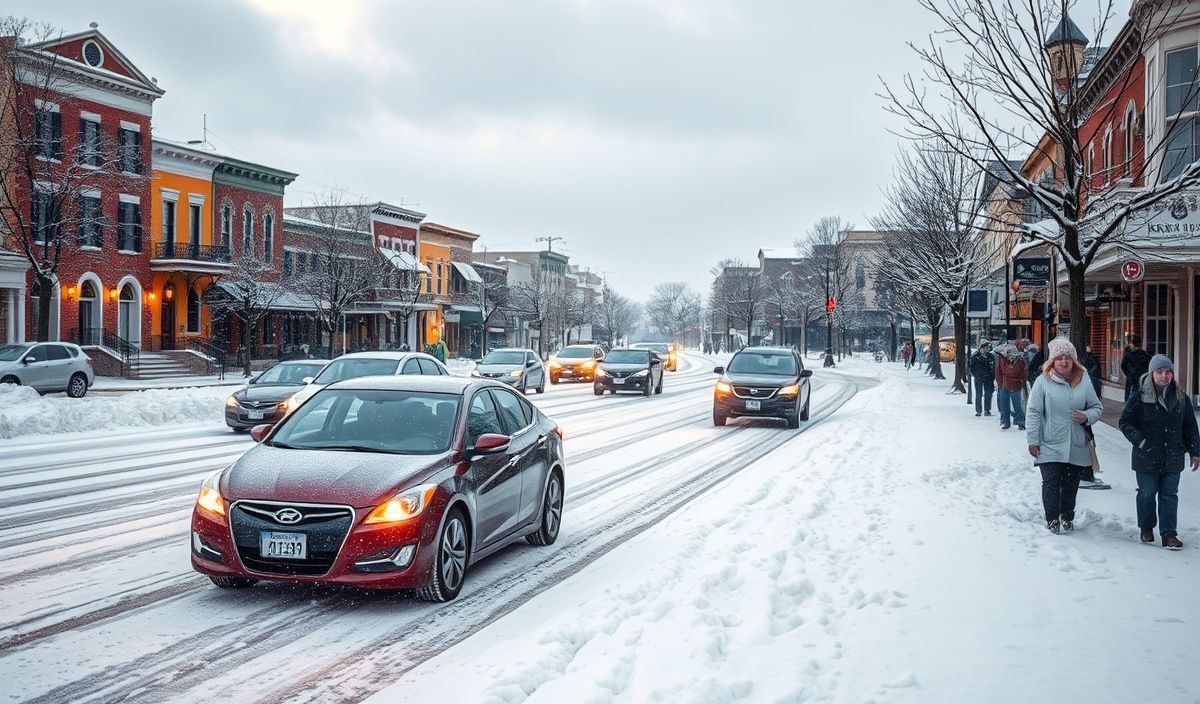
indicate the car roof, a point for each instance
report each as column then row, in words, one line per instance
column 411, row 382
column 510, row 349
column 303, row 361
column 384, row 354
column 628, row 349
column 767, row 349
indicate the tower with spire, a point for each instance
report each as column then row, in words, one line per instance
column 1065, row 48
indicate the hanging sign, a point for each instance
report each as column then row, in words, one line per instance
column 1132, row 271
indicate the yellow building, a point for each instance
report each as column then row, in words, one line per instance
column 434, row 287
column 184, row 260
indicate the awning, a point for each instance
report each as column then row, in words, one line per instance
column 404, row 261
column 468, row 272
column 275, row 299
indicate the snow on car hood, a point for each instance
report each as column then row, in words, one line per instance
column 266, row 392
column 760, row 379
column 360, row 479
column 496, row 368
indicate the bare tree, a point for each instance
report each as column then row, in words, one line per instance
column 404, row 290
column 61, row 184
column 672, row 308
column 347, row 266
column 1016, row 91
column 538, row 299
column 492, row 295
column 832, row 272
column 246, row 293
column 936, row 244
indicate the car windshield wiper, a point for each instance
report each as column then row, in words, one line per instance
column 355, row 448
column 285, row 446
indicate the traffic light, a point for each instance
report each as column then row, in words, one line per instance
column 831, row 305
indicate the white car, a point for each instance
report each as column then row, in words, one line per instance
column 47, row 367
column 359, row 364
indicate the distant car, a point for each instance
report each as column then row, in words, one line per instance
column 263, row 398
column 357, row 364
column 384, row 482
column 667, row 350
column 47, row 367
column 575, row 362
column 763, row 382
column 514, row 366
column 626, row 369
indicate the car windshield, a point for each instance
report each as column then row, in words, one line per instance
column 354, row 367
column 366, row 420
column 575, row 352
column 10, row 353
column 288, row 374
column 627, row 357
column 504, row 358
column 754, row 363
column 660, row 348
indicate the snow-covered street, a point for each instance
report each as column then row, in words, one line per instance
column 890, row 550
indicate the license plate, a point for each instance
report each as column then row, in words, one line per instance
column 754, row 405
column 254, row 415
column 291, row 546
column 568, row 372
column 618, row 381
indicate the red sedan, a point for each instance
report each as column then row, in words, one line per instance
column 385, row 482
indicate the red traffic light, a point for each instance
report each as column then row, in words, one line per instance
column 831, row 305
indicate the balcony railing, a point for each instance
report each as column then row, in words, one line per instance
column 194, row 252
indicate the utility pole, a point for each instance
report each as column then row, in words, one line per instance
column 549, row 240
column 828, row 321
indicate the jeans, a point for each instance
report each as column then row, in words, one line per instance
column 984, row 402
column 1012, row 408
column 1166, row 487
column 1060, row 484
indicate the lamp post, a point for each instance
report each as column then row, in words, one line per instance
column 829, row 307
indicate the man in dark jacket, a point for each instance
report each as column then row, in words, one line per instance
column 1092, row 364
column 1037, row 359
column 1161, row 424
column 982, row 366
column 1134, row 364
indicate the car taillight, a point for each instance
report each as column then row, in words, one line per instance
column 87, row 359
column 558, row 431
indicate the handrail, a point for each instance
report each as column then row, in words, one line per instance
column 195, row 252
column 213, row 355
column 129, row 352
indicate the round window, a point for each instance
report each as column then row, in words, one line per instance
column 92, row 54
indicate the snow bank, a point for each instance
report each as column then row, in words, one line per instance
column 24, row 412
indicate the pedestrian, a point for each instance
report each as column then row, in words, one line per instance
column 1061, row 403
column 1037, row 361
column 1159, row 421
column 982, row 366
column 1011, row 373
column 907, row 354
column 1135, row 362
column 1092, row 364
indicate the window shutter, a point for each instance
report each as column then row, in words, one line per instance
column 56, row 134
column 137, row 226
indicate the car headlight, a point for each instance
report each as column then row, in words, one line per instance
column 231, row 402
column 290, row 404
column 554, row 364
column 790, row 390
column 644, row 372
column 724, row 387
column 515, row 373
column 474, row 372
column 403, row 506
column 601, row 372
column 210, row 495
column 589, row 364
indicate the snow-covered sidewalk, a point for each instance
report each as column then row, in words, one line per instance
column 25, row 413
column 895, row 552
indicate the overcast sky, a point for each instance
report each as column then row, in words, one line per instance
column 655, row 137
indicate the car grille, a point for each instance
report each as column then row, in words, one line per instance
column 326, row 527
column 619, row 375
column 258, row 404
column 754, row 392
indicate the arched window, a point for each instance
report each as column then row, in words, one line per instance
column 247, row 232
column 268, row 236
column 1130, row 127
column 226, row 224
column 860, row 276
column 193, row 311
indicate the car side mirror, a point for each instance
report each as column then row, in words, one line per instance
column 530, row 363
column 656, row 361
column 805, row 373
column 490, row 444
column 28, row 360
column 306, row 380
column 718, row 370
column 258, row 432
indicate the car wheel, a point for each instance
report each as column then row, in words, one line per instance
column 541, row 389
column 804, row 411
column 719, row 418
column 524, row 387
column 658, row 389
column 450, row 565
column 233, row 582
column 793, row 418
column 552, row 504
column 597, row 390
column 649, row 387
column 10, row 380
column 77, row 386
column 553, row 379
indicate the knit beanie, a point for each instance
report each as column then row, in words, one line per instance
column 1161, row 361
column 1060, row 346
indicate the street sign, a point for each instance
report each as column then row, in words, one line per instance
column 979, row 303
column 1032, row 271
column 831, row 305
column 1132, row 271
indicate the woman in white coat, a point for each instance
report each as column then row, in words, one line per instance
column 1061, row 402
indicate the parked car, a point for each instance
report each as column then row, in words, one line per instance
column 358, row 364
column 47, row 367
column 577, row 362
column 384, row 482
column 514, row 366
column 667, row 350
column 627, row 369
column 762, row 382
column 263, row 399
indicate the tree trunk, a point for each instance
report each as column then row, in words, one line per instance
column 1079, row 324
column 935, row 347
column 247, row 336
column 960, row 349
column 46, row 286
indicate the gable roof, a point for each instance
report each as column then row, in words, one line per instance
column 62, row 50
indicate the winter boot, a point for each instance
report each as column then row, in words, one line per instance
column 1067, row 526
column 1006, row 426
column 1054, row 526
column 1170, row 542
column 1148, row 537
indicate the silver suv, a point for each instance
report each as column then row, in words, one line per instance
column 47, row 367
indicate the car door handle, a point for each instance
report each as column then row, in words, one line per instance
column 541, row 441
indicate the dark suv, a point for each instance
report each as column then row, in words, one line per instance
column 763, row 382
column 629, row 370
